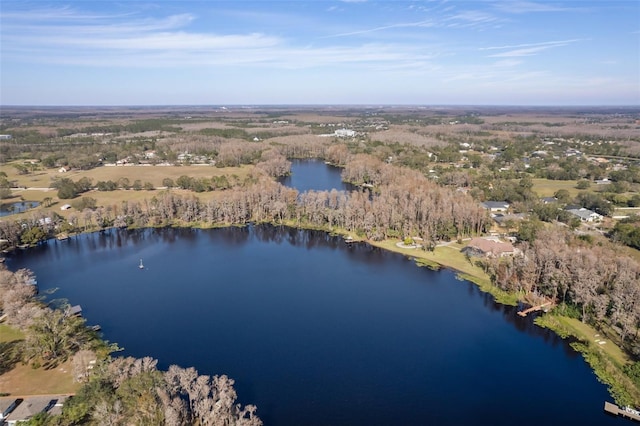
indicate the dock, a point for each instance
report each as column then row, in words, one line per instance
column 75, row 310
column 627, row 412
column 533, row 309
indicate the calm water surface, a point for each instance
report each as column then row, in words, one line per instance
column 317, row 332
column 315, row 175
column 17, row 207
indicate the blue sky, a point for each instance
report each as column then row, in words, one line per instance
column 483, row 52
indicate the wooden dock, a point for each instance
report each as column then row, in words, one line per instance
column 624, row 412
column 533, row 308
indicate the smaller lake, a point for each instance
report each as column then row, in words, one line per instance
column 7, row 209
column 315, row 175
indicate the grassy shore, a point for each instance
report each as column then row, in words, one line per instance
column 601, row 353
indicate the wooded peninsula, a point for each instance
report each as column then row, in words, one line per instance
column 539, row 206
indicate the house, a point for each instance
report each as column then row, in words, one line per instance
column 504, row 219
column 496, row 206
column 586, row 215
column 488, row 247
column 604, row 181
column 345, row 133
column 548, row 200
column 34, row 405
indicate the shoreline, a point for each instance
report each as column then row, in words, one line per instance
column 441, row 257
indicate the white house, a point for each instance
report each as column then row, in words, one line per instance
column 496, row 206
column 586, row 215
column 345, row 133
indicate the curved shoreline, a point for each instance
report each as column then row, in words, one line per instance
column 438, row 258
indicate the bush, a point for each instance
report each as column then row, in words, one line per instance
column 633, row 371
column 583, row 184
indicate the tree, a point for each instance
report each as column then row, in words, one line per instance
column 55, row 334
column 67, row 191
column 185, row 182
column 528, row 229
column 563, row 196
column 33, row 236
column 583, row 184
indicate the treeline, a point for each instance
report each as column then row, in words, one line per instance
column 115, row 390
column 588, row 280
column 402, row 203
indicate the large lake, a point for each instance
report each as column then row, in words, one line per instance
column 319, row 332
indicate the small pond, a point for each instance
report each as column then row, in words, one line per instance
column 7, row 209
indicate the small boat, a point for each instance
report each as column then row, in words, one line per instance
column 95, row 328
column 141, row 266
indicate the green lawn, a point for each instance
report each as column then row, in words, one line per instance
column 546, row 187
column 9, row 334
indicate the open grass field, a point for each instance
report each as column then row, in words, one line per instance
column 546, row 187
column 588, row 333
column 35, row 186
column 24, row 380
column 152, row 174
column 9, row 334
column 448, row 257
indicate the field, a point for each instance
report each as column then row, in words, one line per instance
column 546, row 187
column 24, row 380
column 35, row 186
column 152, row 174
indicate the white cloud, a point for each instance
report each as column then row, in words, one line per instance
column 425, row 23
column 528, row 7
column 528, row 49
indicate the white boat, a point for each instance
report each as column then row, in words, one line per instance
column 141, row 266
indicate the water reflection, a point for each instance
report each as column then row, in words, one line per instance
column 317, row 331
column 7, row 209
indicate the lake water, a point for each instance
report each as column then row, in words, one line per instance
column 17, row 207
column 318, row 332
column 315, row 175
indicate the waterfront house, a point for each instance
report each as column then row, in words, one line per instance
column 489, row 247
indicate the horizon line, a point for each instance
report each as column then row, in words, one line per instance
column 269, row 105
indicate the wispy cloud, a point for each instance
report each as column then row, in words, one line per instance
column 518, row 7
column 528, row 49
column 426, row 23
column 169, row 42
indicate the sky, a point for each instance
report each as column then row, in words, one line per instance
column 319, row 52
